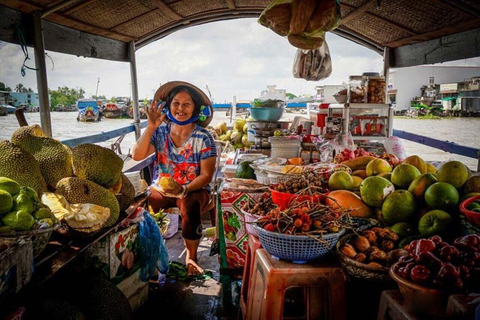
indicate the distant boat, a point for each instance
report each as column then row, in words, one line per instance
column 143, row 115
column 88, row 110
column 112, row 111
column 3, row 111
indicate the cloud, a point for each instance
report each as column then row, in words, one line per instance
column 234, row 58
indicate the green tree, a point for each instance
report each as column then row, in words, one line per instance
column 4, row 87
column 65, row 95
column 113, row 100
column 290, row 96
column 99, row 97
column 19, row 88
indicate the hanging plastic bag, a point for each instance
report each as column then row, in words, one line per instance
column 151, row 247
column 313, row 65
column 303, row 22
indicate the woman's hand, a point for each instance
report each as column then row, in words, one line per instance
column 154, row 114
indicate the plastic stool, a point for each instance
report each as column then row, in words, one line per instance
column 253, row 245
column 323, row 284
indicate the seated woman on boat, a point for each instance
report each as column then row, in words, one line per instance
column 186, row 152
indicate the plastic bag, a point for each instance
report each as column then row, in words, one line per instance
column 303, row 22
column 343, row 141
column 151, row 247
column 313, row 65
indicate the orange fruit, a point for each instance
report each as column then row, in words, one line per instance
column 453, row 172
column 442, row 195
column 374, row 190
column 340, row 180
column 399, row 206
column 377, row 166
column 403, row 175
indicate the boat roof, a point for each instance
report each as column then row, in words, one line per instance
column 417, row 32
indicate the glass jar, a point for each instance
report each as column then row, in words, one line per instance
column 376, row 90
column 357, row 89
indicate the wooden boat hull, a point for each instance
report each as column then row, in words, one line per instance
column 112, row 114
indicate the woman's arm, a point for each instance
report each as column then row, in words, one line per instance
column 142, row 148
column 207, row 169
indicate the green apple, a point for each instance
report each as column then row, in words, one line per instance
column 434, row 222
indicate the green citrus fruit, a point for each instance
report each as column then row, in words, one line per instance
column 434, row 222
column 453, row 172
column 377, row 166
column 441, row 195
column 417, row 162
column 403, row 229
column 374, row 190
column 472, row 185
column 403, row 175
column 340, row 180
column 399, row 206
column 6, row 202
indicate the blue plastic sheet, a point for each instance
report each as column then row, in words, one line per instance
column 152, row 249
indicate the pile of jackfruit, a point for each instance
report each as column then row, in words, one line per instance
column 83, row 186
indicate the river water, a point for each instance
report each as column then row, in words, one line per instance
column 463, row 131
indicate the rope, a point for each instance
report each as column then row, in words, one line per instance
column 23, row 44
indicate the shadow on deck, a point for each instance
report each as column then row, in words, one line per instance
column 187, row 299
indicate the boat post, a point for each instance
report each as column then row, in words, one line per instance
column 41, row 67
column 133, row 76
column 386, row 72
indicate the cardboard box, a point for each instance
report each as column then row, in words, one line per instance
column 117, row 253
column 16, row 266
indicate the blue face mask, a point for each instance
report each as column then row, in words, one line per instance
column 205, row 112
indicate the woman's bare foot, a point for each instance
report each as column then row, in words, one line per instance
column 193, row 269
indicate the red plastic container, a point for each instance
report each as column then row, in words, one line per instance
column 472, row 216
column 283, row 199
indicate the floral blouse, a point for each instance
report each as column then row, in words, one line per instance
column 182, row 163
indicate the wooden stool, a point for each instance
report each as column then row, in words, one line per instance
column 253, row 245
column 323, row 285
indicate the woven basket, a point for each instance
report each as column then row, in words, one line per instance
column 359, row 270
column 298, row 249
column 39, row 237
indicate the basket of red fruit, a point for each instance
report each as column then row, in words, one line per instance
column 434, row 269
column 301, row 233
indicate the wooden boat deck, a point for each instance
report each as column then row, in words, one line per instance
column 187, row 300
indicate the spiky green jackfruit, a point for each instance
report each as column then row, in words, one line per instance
column 77, row 190
column 54, row 158
column 18, row 164
column 127, row 193
column 97, row 164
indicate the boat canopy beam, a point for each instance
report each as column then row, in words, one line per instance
column 133, row 76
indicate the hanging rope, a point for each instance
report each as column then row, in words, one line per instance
column 23, row 45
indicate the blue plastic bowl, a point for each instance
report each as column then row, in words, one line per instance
column 266, row 114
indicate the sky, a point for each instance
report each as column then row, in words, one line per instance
column 233, row 58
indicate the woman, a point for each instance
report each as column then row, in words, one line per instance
column 185, row 152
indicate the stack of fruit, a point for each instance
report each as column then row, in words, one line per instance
column 238, row 137
column 376, row 247
column 411, row 197
column 434, row 263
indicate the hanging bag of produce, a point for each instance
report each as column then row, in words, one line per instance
column 303, row 22
column 313, row 65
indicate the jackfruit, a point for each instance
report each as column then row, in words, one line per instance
column 170, row 185
column 54, row 158
column 77, row 190
column 18, row 164
column 127, row 193
column 87, row 217
column 97, row 164
column 57, row 204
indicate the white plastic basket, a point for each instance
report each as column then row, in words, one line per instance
column 292, row 152
column 262, row 177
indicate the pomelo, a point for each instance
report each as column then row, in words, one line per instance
column 403, row 175
column 340, row 180
column 374, row 190
column 441, row 195
column 350, row 201
column 399, row 206
column 420, row 184
column 472, row 185
column 453, row 172
column 377, row 166
column 417, row 162
column 431, row 168
column 403, row 229
column 434, row 222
